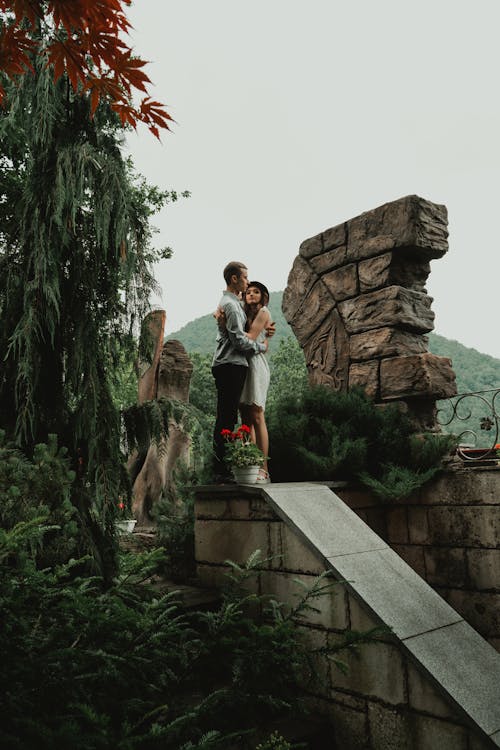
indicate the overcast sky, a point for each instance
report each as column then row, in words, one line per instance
column 293, row 116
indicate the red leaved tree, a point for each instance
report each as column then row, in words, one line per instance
column 84, row 39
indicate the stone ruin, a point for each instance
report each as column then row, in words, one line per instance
column 167, row 375
column 357, row 303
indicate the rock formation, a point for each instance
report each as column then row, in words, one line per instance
column 166, row 374
column 357, row 303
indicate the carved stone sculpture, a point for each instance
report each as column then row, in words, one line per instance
column 168, row 375
column 357, row 303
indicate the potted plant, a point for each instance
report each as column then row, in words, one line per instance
column 242, row 455
column 124, row 524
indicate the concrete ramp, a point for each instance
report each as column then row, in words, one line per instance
column 465, row 668
column 433, row 683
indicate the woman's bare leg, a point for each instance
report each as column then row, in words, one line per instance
column 246, row 418
column 258, row 422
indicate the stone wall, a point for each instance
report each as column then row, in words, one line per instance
column 357, row 303
column 449, row 532
column 430, row 684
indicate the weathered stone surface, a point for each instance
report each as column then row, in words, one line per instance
column 335, row 237
column 393, row 306
column 410, row 222
column 417, row 374
column 329, row 260
column 311, row 247
column 365, row 375
column 168, row 376
column 391, row 730
column 314, row 309
column 342, row 282
column 484, row 568
column 327, row 354
column 380, row 673
column 390, row 268
column 174, row 372
column 300, row 281
column 385, row 342
column 152, row 340
column 445, row 566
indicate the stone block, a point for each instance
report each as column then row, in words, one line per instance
column 211, row 576
column 361, row 618
column 311, row 247
column 329, row 260
column 301, row 279
column 350, row 727
column 393, row 306
column 417, row 375
column 386, row 342
column 397, row 526
column 342, row 283
column 480, row 609
column 411, row 222
column 463, row 487
column 484, row 568
column 393, row 268
column 376, row 671
column 404, row 730
column 445, row 566
column 290, row 588
column 316, row 674
column 464, row 526
column 311, row 311
column 218, row 541
column 233, row 508
column 413, row 555
column 366, row 376
column 294, row 555
column 424, row 696
column 418, row 525
column 327, row 354
column 376, row 520
column 356, row 497
column 335, row 236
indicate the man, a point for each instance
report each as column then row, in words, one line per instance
column 230, row 362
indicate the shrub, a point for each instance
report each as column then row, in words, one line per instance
column 325, row 435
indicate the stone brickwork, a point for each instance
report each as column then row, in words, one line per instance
column 357, row 303
column 449, row 533
column 430, row 683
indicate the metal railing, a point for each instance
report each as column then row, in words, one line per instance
column 479, row 436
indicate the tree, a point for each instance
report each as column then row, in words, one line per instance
column 75, row 277
column 81, row 39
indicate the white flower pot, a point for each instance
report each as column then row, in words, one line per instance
column 125, row 526
column 245, row 474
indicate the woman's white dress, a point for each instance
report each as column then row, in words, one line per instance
column 258, row 376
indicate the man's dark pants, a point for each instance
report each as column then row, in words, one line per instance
column 229, row 381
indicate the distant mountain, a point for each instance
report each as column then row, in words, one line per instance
column 474, row 371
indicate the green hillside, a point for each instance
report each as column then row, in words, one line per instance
column 474, row 371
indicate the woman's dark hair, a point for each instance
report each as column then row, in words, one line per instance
column 263, row 290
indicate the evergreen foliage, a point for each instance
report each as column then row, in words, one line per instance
column 323, row 435
column 75, row 277
column 88, row 667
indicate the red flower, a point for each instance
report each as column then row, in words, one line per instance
column 225, row 433
column 121, row 505
column 244, row 428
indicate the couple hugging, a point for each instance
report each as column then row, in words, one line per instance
column 239, row 365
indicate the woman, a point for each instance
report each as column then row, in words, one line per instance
column 254, row 394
